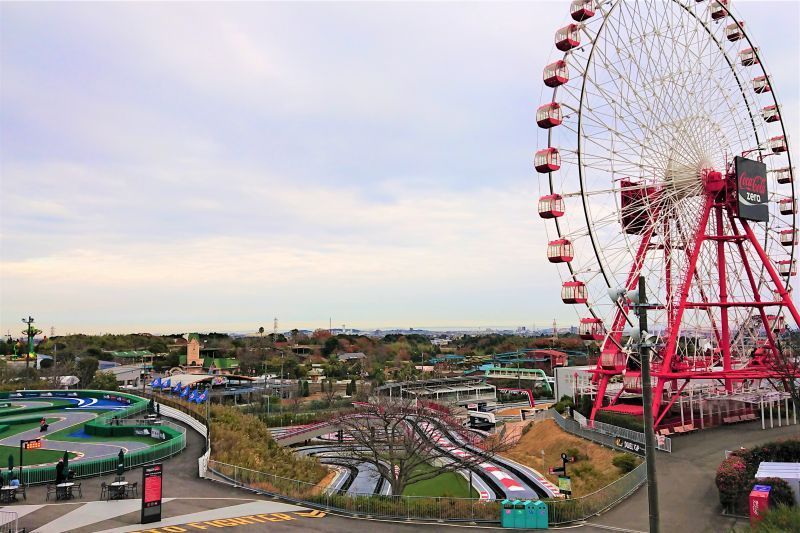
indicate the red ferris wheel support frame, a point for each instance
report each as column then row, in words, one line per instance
column 719, row 201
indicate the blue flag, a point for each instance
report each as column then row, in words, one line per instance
column 176, row 388
column 165, row 384
column 185, row 392
column 201, row 398
column 156, row 383
column 192, row 396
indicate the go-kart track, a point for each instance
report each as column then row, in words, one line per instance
column 495, row 478
column 66, row 415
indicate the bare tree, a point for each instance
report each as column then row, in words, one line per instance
column 329, row 389
column 407, row 443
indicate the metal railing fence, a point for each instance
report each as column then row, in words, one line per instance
column 108, row 464
column 662, row 443
column 581, row 508
column 9, row 522
column 417, row 507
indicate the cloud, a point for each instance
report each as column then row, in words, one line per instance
column 176, row 164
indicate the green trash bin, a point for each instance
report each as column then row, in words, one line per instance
column 519, row 514
column 507, row 513
column 530, row 515
column 540, row 514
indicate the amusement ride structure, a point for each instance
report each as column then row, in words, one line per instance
column 665, row 156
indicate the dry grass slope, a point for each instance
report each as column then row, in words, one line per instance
column 593, row 471
column 243, row 440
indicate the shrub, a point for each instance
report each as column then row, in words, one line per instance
column 620, row 420
column 576, row 453
column 563, row 404
column 584, row 470
column 625, row 462
column 779, row 520
column 731, row 480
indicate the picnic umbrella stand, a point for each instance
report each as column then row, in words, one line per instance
column 121, row 463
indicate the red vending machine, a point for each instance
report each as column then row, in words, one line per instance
column 759, row 503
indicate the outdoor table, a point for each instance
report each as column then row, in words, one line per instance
column 64, row 491
column 118, row 490
column 8, row 494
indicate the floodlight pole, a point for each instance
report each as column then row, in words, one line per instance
column 647, row 400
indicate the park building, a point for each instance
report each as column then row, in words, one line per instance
column 200, row 360
column 454, row 391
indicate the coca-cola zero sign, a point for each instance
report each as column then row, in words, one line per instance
column 751, row 189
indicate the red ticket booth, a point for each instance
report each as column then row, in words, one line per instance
column 759, row 503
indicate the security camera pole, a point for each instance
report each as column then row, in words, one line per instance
column 647, row 400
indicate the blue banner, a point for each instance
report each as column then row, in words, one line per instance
column 192, row 396
column 176, row 388
column 156, row 383
column 165, row 384
column 185, row 392
column 201, row 398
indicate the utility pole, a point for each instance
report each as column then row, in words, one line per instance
column 647, row 399
column 274, row 340
column 55, row 352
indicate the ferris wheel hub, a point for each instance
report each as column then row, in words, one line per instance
column 692, row 141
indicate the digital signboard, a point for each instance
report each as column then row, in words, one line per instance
column 151, row 493
column 751, row 189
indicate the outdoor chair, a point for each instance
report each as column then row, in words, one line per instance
column 51, row 489
column 77, row 487
column 132, row 490
column 21, row 490
column 103, row 491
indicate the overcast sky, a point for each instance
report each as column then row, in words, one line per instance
column 176, row 167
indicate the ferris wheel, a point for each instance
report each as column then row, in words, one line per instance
column 663, row 154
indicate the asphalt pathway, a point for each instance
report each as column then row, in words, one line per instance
column 688, row 497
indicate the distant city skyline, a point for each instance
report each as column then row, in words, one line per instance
column 178, row 167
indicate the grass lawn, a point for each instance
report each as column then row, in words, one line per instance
column 31, row 457
column 13, row 430
column 447, row 484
